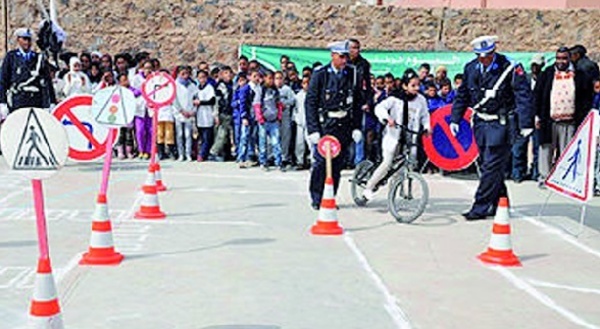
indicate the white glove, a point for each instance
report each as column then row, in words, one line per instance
column 454, row 128
column 52, row 107
column 357, row 136
column 3, row 111
column 314, row 138
column 526, row 132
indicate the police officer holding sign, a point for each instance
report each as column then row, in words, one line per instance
column 332, row 108
column 24, row 77
column 498, row 92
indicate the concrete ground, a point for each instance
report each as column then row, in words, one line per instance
column 235, row 252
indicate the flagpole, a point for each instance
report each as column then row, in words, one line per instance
column 5, row 9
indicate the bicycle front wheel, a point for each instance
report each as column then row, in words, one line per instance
column 408, row 197
column 362, row 173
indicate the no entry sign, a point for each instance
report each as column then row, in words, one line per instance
column 159, row 90
column 334, row 145
column 445, row 150
column 87, row 138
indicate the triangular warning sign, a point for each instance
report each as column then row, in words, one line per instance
column 573, row 174
column 112, row 111
column 34, row 151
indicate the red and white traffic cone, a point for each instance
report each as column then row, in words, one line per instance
column 149, row 207
column 102, row 250
column 44, row 311
column 159, row 183
column 500, row 250
column 327, row 222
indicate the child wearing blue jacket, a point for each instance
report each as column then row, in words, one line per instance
column 242, row 118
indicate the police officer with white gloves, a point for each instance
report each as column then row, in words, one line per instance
column 498, row 92
column 25, row 77
column 332, row 108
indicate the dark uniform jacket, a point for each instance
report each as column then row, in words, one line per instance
column 15, row 70
column 331, row 92
column 584, row 96
column 513, row 101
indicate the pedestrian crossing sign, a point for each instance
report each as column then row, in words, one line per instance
column 573, row 174
column 34, row 143
column 34, row 151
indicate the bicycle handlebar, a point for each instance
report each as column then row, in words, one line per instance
column 403, row 127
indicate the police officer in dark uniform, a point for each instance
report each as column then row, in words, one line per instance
column 497, row 90
column 25, row 77
column 332, row 108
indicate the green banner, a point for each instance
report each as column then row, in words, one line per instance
column 382, row 62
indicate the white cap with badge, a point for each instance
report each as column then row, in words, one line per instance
column 23, row 33
column 484, row 45
column 339, row 47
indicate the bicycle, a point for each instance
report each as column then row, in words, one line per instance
column 408, row 193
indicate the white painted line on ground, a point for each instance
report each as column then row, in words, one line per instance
column 391, row 305
column 544, row 284
column 550, row 229
column 21, row 271
column 250, row 192
column 568, row 238
column 61, row 273
column 190, row 222
column 542, row 298
column 251, row 176
column 11, row 195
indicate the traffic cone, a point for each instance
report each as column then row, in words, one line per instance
column 159, row 184
column 102, row 250
column 327, row 223
column 500, row 251
column 44, row 311
column 149, row 208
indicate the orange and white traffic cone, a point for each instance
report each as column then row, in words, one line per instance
column 327, row 223
column 500, row 251
column 150, row 208
column 44, row 311
column 102, row 250
column 159, row 183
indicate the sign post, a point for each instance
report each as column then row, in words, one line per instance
column 158, row 90
column 35, row 145
column 328, row 147
column 111, row 107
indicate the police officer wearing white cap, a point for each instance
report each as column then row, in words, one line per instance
column 332, row 108
column 499, row 93
column 24, row 77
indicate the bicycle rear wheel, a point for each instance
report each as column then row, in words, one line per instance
column 362, row 173
column 408, row 197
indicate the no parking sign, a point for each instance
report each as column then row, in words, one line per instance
column 445, row 150
column 87, row 138
column 159, row 90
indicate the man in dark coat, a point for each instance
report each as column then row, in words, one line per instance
column 332, row 108
column 563, row 98
column 582, row 62
column 498, row 92
column 369, row 121
column 25, row 77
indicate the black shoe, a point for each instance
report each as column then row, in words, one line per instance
column 315, row 206
column 472, row 216
column 282, row 168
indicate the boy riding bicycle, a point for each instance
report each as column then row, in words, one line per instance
column 408, row 109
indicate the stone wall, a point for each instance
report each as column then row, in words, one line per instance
column 188, row 30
